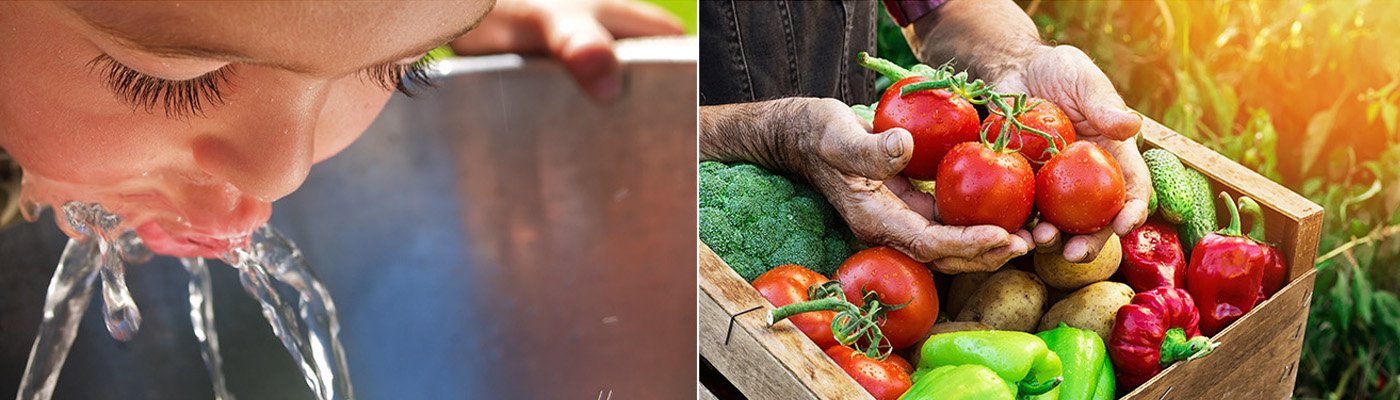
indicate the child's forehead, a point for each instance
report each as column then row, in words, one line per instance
column 312, row 37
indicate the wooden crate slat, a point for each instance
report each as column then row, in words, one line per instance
column 764, row 363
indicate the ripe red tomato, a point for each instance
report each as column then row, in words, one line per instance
column 1080, row 190
column 938, row 120
column 897, row 279
column 978, row 185
column 788, row 284
column 1046, row 117
column 884, row 380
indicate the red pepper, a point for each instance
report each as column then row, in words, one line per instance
column 1151, row 333
column 1152, row 257
column 1275, row 272
column 1226, row 273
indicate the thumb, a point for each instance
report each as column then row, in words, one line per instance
column 585, row 48
column 876, row 156
column 1104, row 108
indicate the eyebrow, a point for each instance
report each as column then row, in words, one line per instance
column 195, row 51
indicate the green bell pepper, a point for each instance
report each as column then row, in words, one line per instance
column 1021, row 359
column 958, row 382
column 1085, row 361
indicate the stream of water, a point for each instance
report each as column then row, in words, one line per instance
column 271, row 269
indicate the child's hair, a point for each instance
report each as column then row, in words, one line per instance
column 9, row 189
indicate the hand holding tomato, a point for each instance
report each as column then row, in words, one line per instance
column 1066, row 76
column 823, row 141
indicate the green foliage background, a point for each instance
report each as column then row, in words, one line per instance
column 1304, row 92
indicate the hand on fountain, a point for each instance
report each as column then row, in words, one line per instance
column 577, row 32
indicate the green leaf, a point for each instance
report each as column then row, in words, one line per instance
column 1361, row 290
column 1319, row 127
column 1388, row 114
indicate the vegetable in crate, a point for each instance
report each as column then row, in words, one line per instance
column 1021, row 359
column 1041, row 115
column 756, row 220
column 1080, row 190
column 1152, row 257
column 1156, row 330
column 1059, row 273
column 791, row 284
column 1275, row 272
column 984, row 184
column 938, row 119
column 959, row 382
column 905, row 287
column 1092, row 307
column 1226, row 273
column 1010, row 299
column 1202, row 221
column 883, row 379
column 1087, row 370
column 1183, row 196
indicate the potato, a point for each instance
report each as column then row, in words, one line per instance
column 1010, row 300
column 1059, row 273
column 964, row 285
column 1094, row 307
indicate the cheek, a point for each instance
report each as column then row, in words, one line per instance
column 351, row 105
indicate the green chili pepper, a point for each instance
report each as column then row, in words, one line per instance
column 1085, row 363
column 958, row 382
column 1021, row 359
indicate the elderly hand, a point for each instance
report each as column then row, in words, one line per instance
column 856, row 171
column 1067, row 77
column 577, row 32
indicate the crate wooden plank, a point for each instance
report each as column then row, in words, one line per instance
column 764, row 363
column 701, row 393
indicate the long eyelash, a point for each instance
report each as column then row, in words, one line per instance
column 180, row 99
column 408, row 79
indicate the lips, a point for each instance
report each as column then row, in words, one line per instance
column 161, row 241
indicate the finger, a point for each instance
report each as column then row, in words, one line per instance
column 1026, row 237
column 627, row 19
column 875, row 156
column 1134, row 214
column 1046, row 236
column 585, row 48
column 991, row 260
column 1102, row 107
column 918, row 201
column 1084, row 248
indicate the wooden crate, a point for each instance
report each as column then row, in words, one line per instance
column 1257, row 357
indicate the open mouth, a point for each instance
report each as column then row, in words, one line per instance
column 187, row 244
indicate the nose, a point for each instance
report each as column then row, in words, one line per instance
column 267, row 150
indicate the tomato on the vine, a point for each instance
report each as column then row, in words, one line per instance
column 1043, row 116
column 883, row 379
column 897, row 280
column 938, row 120
column 978, row 185
column 788, row 284
column 1081, row 189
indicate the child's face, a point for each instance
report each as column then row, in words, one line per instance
column 293, row 92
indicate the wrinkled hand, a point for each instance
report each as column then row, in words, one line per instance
column 1067, row 77
column 579, row 33
column 837, row 153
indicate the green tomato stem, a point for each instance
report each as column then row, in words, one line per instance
column 882, row 66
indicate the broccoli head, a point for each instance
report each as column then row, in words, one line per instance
column 756, row 220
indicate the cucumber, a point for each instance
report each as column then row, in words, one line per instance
column 1202, row 219
column 1183, row 196
column 1169, row 183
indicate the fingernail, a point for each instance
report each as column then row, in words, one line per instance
column 894, row 145
column 608, row 88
